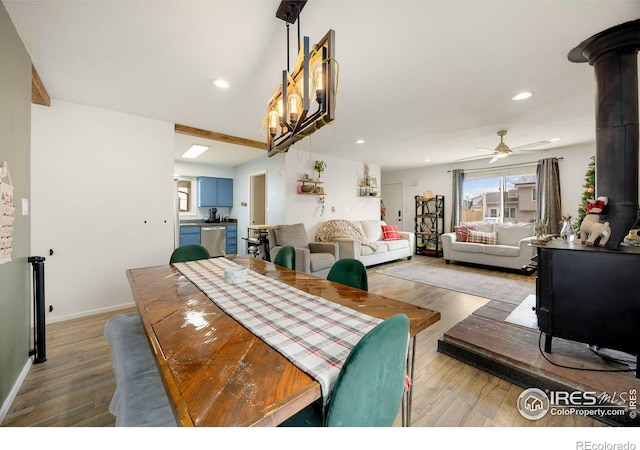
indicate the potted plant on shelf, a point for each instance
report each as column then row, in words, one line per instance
column 319, row 167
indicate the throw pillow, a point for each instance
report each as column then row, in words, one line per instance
column 462, row 232
column 390, row 233
column 482, row 237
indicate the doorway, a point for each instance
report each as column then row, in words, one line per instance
column 392, row 199
column 258, row 198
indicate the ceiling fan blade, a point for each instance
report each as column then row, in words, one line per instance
column 474, row 158
column 496, row 157
column 531, row 146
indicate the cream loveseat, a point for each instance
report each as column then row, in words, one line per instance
column 364, row 240
column 511, row 249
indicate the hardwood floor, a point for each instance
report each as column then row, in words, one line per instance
column 513, row 352
column 74, row 386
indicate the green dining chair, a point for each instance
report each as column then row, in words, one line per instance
column 286, row 257
column 350, row 272
column 371, row 383
column 190, row 252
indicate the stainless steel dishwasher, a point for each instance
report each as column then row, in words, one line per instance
column 214, row 239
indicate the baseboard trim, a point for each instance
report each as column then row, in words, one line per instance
column 92, row 312
column 14, row 391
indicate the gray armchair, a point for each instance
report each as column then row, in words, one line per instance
column 315, row 258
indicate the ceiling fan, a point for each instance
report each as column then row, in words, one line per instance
column 503, row 149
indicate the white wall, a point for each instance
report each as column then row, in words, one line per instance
column 102, row 199
column 437, row 179
column 340, row 181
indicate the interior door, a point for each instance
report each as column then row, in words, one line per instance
column 257, row 199
column 392, row 199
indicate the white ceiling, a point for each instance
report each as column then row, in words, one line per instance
column 418, row 79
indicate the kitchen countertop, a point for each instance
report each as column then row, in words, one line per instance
column 202, row 223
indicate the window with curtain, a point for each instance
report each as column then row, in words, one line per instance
column 548, row 196
column 500, row 195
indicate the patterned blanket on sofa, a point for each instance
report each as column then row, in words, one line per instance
column 336, row 229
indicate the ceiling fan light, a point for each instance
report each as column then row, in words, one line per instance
column 522, row 95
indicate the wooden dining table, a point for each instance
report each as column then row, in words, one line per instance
column 216, row 372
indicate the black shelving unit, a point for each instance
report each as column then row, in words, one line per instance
column 429, row 225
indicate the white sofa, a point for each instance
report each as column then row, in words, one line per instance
column 384, row 251
column 512, row 251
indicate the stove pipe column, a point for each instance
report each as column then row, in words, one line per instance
column 613, row 55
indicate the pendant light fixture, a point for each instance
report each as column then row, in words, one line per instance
column 288, row 114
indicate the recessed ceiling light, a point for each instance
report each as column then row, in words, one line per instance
column 194, row 151
column 221, row 83
column 360, row 141
column 522, row 96
column 427, row 160
column 555, row 139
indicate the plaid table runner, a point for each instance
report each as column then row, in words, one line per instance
column 316, row 335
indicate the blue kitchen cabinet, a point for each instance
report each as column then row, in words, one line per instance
column 189, row 235
column 225, row 192
column 232, row 240
column 213, row 192
column 207, row 191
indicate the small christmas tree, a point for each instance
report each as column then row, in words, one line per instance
column 589, row 191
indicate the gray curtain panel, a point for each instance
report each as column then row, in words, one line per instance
column 549, row 205
column 456, row 203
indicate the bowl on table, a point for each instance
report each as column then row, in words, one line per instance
column 235, row 275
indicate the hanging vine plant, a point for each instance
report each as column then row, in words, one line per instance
column 321, row 201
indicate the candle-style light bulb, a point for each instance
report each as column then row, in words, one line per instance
column 294, row 109
column 274, row 120
column 317, row 76
column 279, row 108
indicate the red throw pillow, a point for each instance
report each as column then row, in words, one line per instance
column 390, row 233
column 462, row 232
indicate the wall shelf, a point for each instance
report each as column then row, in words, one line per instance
column 310, row 187
column 368, row 191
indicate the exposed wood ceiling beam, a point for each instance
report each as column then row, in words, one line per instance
column 183, row 129
column 39, row 94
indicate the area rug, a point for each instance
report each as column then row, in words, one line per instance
column 525, row 313
column 487, row 286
